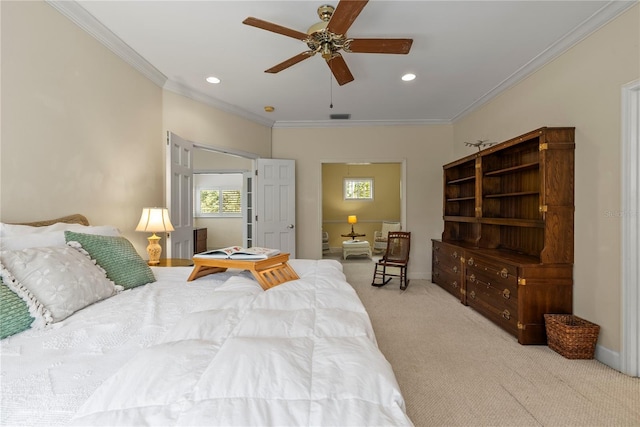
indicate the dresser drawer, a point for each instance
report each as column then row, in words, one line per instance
column 499, row 298
column 503, row 315
column 446, row 253
column 492, row 272
column 448, row 281
column 447, row 264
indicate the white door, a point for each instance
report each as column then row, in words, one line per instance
column 180, row 196
column 276, row 205
column 248, row 212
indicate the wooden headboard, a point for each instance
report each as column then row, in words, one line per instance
column 69, row 219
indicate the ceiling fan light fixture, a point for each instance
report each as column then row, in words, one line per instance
column 408, row 77
column 326, row 51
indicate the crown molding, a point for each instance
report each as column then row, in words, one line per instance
column 196, row 95
column 601, row 17
column 356, row 123
column 83, row 19
column 78, row 15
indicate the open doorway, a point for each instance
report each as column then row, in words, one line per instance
column 386, row 202
column 215, row 169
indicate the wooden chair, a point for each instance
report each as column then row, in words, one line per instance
column 395, row 257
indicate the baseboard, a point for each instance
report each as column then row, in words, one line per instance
column 608, row 357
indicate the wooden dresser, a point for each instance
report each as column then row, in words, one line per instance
column 199, row 240
column 507, row 245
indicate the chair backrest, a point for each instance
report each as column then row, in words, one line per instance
column 398, row 247
column 388, row 226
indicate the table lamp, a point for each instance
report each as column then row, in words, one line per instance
column 154, row 220
column 352, row 219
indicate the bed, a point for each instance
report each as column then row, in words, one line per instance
column 218, row 350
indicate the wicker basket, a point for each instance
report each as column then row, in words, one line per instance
column 571, row 336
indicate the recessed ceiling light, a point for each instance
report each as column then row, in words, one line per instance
column 408, row 77
column 269, row 109
column 213, row 80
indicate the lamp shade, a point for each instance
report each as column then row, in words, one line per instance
column 155, row 219
column 352, row 219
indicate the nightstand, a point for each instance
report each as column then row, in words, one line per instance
column 174, row 262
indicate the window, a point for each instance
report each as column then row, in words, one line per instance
column 219, row 202
column 358, row 188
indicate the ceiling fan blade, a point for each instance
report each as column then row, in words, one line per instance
column 340, row 70
column 346, row 12
column 289, row 62
column 400, row 46
column 275, row 28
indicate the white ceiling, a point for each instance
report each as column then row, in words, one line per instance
column 464, row 53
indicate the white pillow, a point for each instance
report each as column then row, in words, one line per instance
column 19, row 238
column 54, row 281
column 18, row 229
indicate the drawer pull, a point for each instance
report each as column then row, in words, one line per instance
column 455, row 268
column 436, row 248
column 506, row 294
column 454, row 255
column 437, row 261
column 436, row 274
column 506, row 314
column 472, row 278
column 470, row 262
column 504, row 273
column 454, row 284
column 472, row 294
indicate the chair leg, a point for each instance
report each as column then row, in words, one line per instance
column 403, row 279
column 377, row 273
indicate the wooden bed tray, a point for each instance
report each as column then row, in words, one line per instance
column 268, row 272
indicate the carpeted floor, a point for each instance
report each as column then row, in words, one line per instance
column 455, row 368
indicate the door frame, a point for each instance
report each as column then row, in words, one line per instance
column 630, row 229
column 403, row 188
column 212, row 148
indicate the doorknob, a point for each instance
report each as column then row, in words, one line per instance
column 290, row 226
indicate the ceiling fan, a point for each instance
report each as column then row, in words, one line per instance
column 329, row 36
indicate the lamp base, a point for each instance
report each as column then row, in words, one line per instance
column 154, row 249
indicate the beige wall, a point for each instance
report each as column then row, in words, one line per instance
column 203, row 124
column 425, row 149
column 81, row 129
column 370, row 213
column 581, row 88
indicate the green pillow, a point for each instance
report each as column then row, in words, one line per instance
column 14, row 313
column 118, row 257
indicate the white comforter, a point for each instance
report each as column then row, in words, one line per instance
column 302, row 353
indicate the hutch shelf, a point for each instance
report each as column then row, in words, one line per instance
column 507, row 245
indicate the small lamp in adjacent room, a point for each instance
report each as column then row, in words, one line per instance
column 352, row 219
column 154, row 220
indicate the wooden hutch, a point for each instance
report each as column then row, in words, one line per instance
column 507, row 244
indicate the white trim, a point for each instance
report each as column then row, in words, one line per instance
column 605, row 14
column 630, row 229
column 83, row 19
column 283, row 124
column 608, row 357
column 226, row 150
